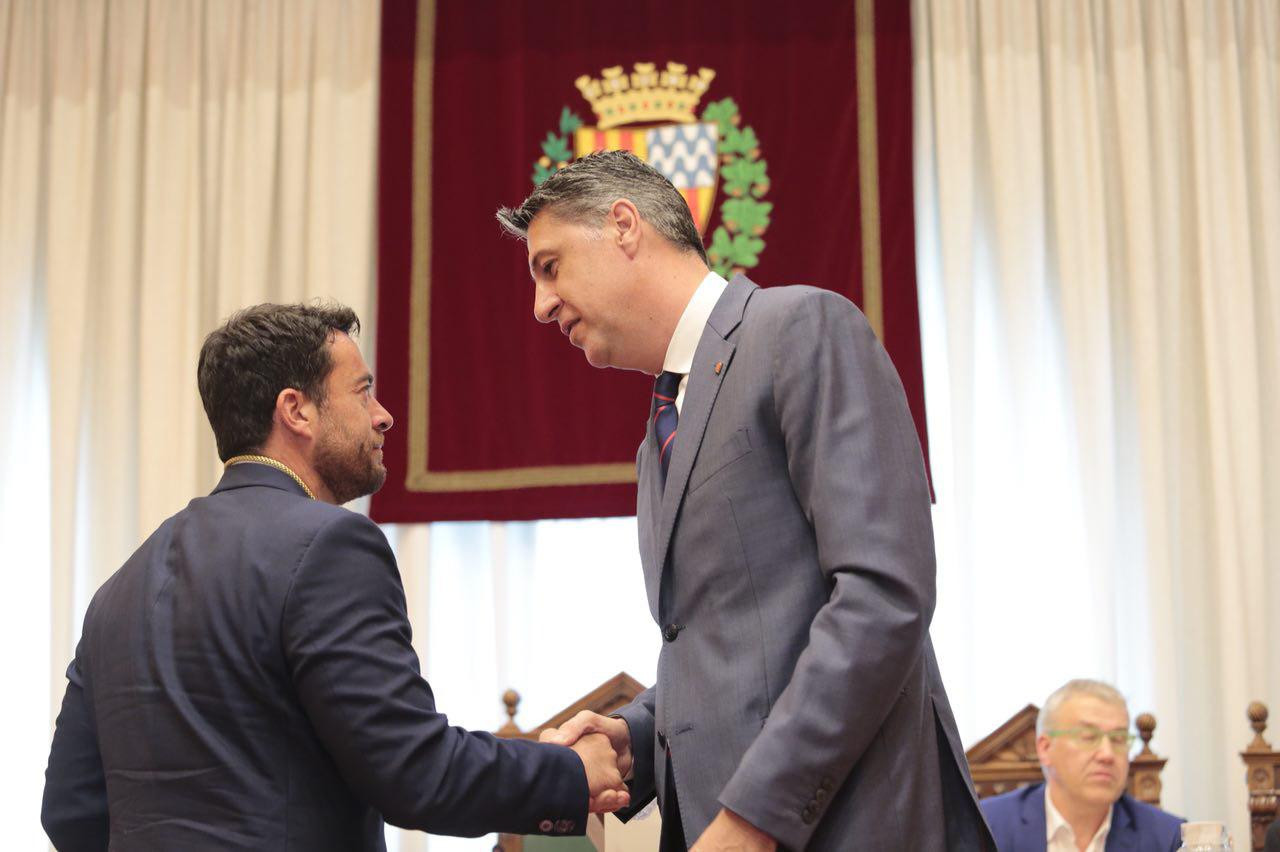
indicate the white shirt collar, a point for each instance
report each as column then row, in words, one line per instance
column 1058, row 832
column 684, row 341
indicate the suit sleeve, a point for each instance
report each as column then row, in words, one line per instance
column 855, row 465
column 639, row 718
column 74, row 810
column 348, row 645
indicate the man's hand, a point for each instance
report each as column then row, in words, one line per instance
column 586, row 722
column 729, row 832
column 604, row 781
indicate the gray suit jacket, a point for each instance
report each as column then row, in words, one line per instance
column 789, row 566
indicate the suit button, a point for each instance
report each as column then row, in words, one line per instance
column 670, row 632
column 808, row 814
column 820, row 795
column 545, row 826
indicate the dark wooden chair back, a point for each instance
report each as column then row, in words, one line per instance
column 1262, row 765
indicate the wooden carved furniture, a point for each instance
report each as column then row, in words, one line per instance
column 1262, row 765
column 1145, row 766
column 1006, row 759
column 606, row 698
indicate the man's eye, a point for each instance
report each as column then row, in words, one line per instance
column 548, row 268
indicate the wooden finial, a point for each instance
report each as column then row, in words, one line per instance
column 511, row 699
column 1145, row 766
column 1146, row 727
column 1258, row 719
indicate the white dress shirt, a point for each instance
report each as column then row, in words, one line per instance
column 684, row 341
column 1060, row 837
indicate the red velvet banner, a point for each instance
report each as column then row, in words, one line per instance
column 801, row 120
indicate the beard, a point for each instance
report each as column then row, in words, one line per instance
column 346, row 464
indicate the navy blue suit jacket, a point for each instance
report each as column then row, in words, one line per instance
column 246, row 681
column 1017, row 821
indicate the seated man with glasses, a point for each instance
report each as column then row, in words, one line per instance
column 1082, row 740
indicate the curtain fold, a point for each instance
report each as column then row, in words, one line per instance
column 24, row 443
column 1099, row 183
column 200, row 158
column 161, row 165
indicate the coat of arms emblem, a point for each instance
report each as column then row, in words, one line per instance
column 652, row 113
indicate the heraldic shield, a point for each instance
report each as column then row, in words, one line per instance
column 684, row 153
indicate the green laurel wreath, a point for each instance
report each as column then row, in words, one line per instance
column 737, row 243
column 556, row 152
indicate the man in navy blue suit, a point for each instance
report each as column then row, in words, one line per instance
column 1082, row 740
column 247, row 681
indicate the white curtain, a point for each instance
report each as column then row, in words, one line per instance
column 551, row 609
column 1098, row 203
column 161, row 165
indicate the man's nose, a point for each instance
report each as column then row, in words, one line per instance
column 546, row 304
column 382, row 419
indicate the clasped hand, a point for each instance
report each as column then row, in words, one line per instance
column 611, row 740
column 604, row 745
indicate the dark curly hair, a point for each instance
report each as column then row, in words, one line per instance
column 258, row 352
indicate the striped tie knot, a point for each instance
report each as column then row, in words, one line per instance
column 665, row 416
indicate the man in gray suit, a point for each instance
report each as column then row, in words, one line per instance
column 785, row 536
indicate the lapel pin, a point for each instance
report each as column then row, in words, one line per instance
column 719, row 367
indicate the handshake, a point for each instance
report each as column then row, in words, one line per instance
column 604, row 746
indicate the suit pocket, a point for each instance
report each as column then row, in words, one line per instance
column 712, row 460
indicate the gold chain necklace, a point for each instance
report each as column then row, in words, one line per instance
column 269, row 462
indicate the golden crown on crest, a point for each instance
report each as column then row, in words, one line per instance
column 646, row 94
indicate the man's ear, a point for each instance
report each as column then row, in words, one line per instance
column 1042, row 749
column 625, row 219
column 296, row 413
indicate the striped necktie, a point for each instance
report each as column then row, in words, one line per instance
column 665, row 417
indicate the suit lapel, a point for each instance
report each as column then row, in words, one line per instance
column 1122, row 837
column 1033, row 822
column 648, row 510
column 699, row 398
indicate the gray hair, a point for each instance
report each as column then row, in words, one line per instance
column 1072, row 688
column 583, row 191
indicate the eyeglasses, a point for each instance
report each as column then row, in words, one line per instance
column 1090, row 737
